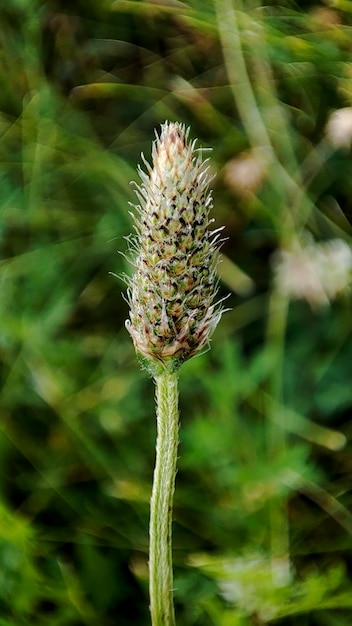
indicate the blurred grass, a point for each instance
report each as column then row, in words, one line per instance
column 263, row 502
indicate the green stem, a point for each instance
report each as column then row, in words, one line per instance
column 276, row 437
column 160, row 529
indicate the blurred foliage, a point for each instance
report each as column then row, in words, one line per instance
column 263, row 519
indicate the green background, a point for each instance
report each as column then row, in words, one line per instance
column 263, row 522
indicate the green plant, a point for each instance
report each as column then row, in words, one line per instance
column 172, row 315
column 263, row 470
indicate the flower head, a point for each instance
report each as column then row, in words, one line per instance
column 315, row 272
column 245, row 173
column 172, row 291
column 339, row 128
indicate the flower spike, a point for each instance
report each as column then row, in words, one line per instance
column 172, row 292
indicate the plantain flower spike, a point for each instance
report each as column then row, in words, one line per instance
column 172, row 293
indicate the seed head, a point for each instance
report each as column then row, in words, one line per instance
column 172, row 291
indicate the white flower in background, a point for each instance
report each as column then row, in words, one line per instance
column 339, row 128
column 316, row 272
column 245, row 173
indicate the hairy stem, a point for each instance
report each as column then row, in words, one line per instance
column 160, row 529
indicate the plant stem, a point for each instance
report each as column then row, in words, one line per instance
column 160, row 529
column 276, row 438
